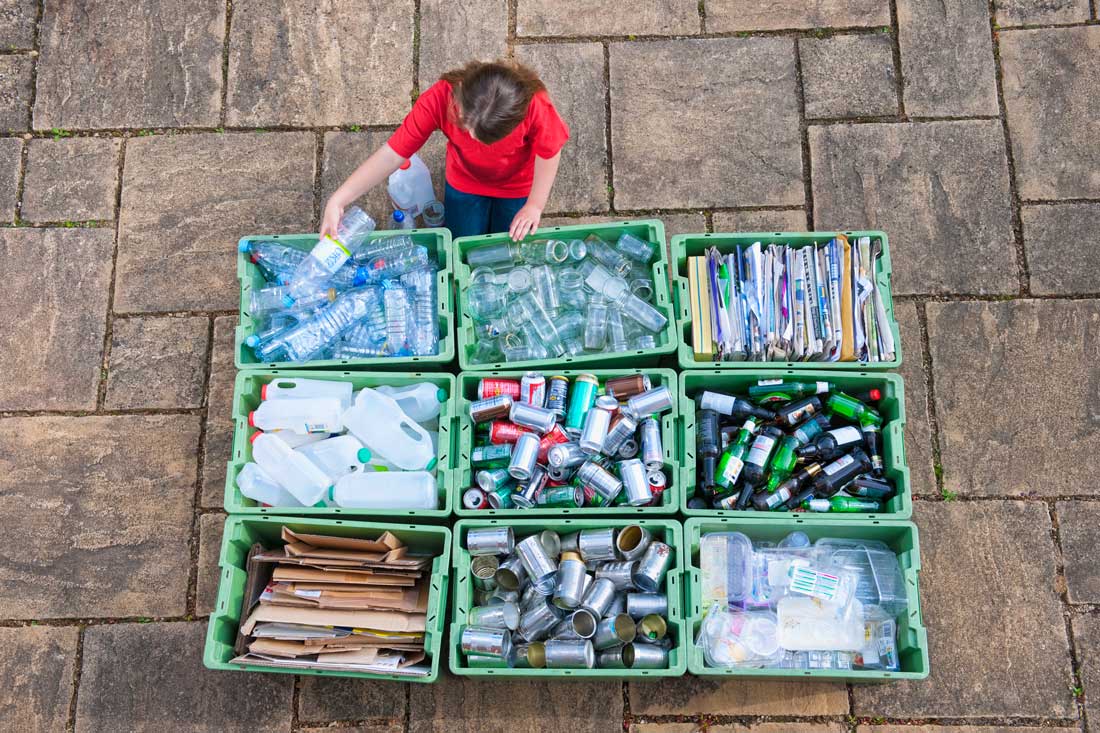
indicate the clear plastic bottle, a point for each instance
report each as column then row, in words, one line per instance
column 273, row 300
column 424, row 337
column 256, row 484
column 352, row 351
column 330, row 253
column 292, row 470
column 398, row 262
column 382, row 426
column 387, row 490
column 595, row 327
column 395, row 300
column 276, row 326
column 402, row 220
column 313, row 334
column 382, row 247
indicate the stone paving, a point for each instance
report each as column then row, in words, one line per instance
column 139, row 140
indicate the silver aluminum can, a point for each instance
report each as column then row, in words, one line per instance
column 594, row 476
column 486, row 641
column 598, row 598
column 569, row 542
column 501, row 616
column 652, row 567
column 629, row 449
column 562, row 475
column 597, row 544
column 653, row 451
column 532, row 388
column 483, row 568
column 647, row 656
column 570, row 585
column 621, row 574
column 491, row 479
column 482, row 597
column 619, row 433
column 653, row 402
column 613, row 631
column 511, row 574
column 551, row 542
column 503, row 596
column 490, row 408
column 538, row 419
column 635, row 482
column 633, row 541
column 535, row 623
column 596, row 425
column 525, row 456
column 565, row 455
column 541, row 568
column 490, row 541
column 570, row 654
column 644, row 604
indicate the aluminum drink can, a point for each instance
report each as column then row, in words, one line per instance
column 556, row 436
column 525, row 457
column 474, row 499
column 532, row 389
column 492, row 387
column 557, row 396
column 653, row 452
column 581, row 399
column 650, row 403
column 532, row 417
column 502, row 431
column 491, row 408
column 569, row 497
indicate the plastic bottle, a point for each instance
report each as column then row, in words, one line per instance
column 410, row 186
column 402, row 220
column 386, row 490
column 279, row 324
column 257, row 485
column 371, row 330
column 395, row 300
column 421, row 402
column 336, row 456
column 291, row 469
column 296, row 388
column 306, row 415
column 312, row 335
column 382, row 426
column 294, row 440
column 381, row 247
column 272, row 299
column 398, row 262
column 424, row 338
column 330, row 253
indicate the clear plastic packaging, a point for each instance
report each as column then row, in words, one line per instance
column 725, row 561
column 732, row 638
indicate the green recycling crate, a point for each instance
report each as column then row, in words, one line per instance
column 438, row 242
column 651, row 230
column 694, row 245
column 241, row 533
column 247, row 397
column 464, row 435
column 668, row 531
column 901, row 537
column 891, row 407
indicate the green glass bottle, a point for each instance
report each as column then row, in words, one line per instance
column 777, row 390
column 733, row 460
column 783, row 463
column 851, row 409
column 842, row 504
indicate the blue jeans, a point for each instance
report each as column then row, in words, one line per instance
column 467, row 214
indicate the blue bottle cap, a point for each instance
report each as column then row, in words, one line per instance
column 244, row 245
column 362, row 277
column 252, row 340
column 288, row 301
column 399, row 216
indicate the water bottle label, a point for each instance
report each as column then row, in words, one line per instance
column 316, row 427
column 846, row 435
column 330, row 253
column 768, row 382
column 761, row 447
column 836, row 466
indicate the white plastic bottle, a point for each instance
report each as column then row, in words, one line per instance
column 336, row 456
column 389, row 433
column 421, row 402
column 310, row 415
column 257, row 485
column 296, row 441
column 410, row 186
column 291, row 469
column 300, row 388
column 386, row 490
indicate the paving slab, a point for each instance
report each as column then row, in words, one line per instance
column 780, row 728
column 573, row 74
column 1057, row 239
column 148, row 678
column 950, row 231
column 289, row 63
column 157, row 362
column 1086, row 637
column 17, row 19
column 1079, row 535
column 667, row 149
column 889, row 728
column 37, row 665
column 918, row 431
column 849, row 76
column 792, row 220
column 674, row 223
column 453, row 33
column 392, row 727
column 988, row 599
column 1016, row 381
column 104, row 507
column 1040, row 12
column 717, row 696
column 11, row 152
column 219, row 413
column 187, row 199
column 947, row 58
column 16, row 75
column 762, row 15
column 141, row 64
column 346, row 151
column 606, row 18
column 71, row 179
column 210, row 546
column 334, row 698
column 1053, row 107
column 55, row 312
column 458, row 705
column 665, row 728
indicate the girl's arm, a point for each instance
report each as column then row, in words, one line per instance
column 526, row 219
column 373, row 171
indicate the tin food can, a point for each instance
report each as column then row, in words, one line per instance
column 652, row 567
column 500, row 616
column 632, row 541
column 570, row 654
column 541, row 568
column 613, row 631
column 486, row 641
column 490, row 541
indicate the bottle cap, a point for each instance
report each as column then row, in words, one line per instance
column 405, row 164
column 875, row 395
column 263, row 392
column 251, row 340
column 244, row 245
column 252, row 419
column 255, row 435
column 398, row 215
column 431, row 465
column 441, row 395
column 363, row 455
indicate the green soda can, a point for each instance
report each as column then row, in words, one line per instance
column 491, row 480
column 569, row 497
column 501, row 498
column 581, row 399
column 491, row 456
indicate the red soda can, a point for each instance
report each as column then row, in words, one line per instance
column 658, row 482
column 555, row 436
column 487, row 388
column 532, row 389
column 502, row 431
column 551, row 483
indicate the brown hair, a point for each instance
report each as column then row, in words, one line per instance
column 492, row 97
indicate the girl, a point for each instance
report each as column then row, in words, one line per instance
column 504, row 143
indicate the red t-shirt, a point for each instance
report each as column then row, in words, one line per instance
column 503, row 169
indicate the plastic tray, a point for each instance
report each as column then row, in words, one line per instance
column 900, row 536
column 464, row 435
column 438, row 242
column 241, row 532
column 246, row 397
column 693, row 245
column 667, row 530
column 891, row 407
column 648, row 229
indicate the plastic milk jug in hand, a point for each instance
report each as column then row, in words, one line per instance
column 329, row 254
column 386, row 490
column 410, row 186
column 309, row 415
column 285, row 388
column 390, row 434
column 291, row 469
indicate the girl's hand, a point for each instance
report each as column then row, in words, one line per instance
column 330, row 219
column 525, row 222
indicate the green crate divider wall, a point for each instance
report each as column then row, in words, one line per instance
column 649, row 229
column 438, row 242
column 667, row 530
column 891, row 407
column 900, row 536
column 246, row 397
column 241, row 532
column 464, row 435
column 694, row 245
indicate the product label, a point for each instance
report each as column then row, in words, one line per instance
column 717, row 402
column 317, row 427
column 330, row 253
column 761, row 448
column 731, row 472
column 768, row 382
column 822, row 387
column 836, row 466
column 846, row 435
column 802, row 412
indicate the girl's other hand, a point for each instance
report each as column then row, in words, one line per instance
column 330, row 219
column 525, row 222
